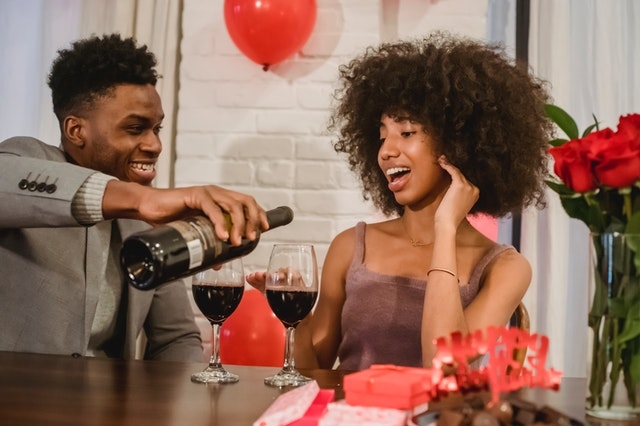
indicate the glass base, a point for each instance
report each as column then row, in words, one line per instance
column 214, row 375
column 287, row 378
column 615, row 413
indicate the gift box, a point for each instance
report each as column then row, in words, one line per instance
column 342, row 414
column 389, row 386
column 302, row 406
column 316, row 410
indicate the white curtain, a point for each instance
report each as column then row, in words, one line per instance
column 31, row 31
column 589, row 50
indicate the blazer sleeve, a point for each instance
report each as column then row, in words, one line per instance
column 37, row 185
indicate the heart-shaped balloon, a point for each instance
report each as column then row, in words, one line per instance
column 269, row 31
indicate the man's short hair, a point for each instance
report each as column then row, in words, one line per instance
column 94, row 66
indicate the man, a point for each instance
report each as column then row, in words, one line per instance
column 65, row 212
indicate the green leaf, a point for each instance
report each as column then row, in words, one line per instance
column 634, row 365
column 589, row 129
column 558, row 142
column 578, row 207
column 633, row 226
column 631, row 330
column 631, row 368
column 563, row 120
column 617, row 307
column 633, row 240
column 562, row 189
column 633, row 312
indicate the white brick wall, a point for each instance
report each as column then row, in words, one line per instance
column 264, row 133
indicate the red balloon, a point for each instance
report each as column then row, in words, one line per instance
column 269, row 31
column 252, row 335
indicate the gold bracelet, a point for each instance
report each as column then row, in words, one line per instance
column 445, row 271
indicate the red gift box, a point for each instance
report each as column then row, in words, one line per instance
column 389, row 386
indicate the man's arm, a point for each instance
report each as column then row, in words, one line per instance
column 153, row 205
column 37, row 192
column 27, row 159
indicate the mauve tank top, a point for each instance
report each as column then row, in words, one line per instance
column 382, row 314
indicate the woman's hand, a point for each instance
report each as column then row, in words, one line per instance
column 257, row 280
column 459, row 198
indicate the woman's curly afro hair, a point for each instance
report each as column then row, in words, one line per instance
column 483, row 112
column 94, row 66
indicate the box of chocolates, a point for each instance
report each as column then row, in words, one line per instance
column 478, row 409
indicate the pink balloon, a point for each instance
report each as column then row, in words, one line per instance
column 269, row 31
column 252, row 335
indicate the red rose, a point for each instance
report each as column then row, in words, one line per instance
column 617, row 160
column 573, row 166
column 629, row 127
column 616, row 156
column 598, row 143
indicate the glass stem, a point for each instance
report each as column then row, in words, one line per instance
column 289, row 363
column 214, row 361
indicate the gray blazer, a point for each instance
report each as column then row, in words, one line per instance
column 51, row 268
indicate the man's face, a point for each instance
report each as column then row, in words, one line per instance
column 120, row 134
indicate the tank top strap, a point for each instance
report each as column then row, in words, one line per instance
column 482, row 264
column 358, row 252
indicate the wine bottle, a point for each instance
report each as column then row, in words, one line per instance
column 184, row 247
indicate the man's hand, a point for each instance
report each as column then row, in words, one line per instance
column 153, row 205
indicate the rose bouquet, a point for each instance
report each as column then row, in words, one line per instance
column 598, row 182
column 599, row 172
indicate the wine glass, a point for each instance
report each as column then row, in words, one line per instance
column 217, row 294
column 292, row 290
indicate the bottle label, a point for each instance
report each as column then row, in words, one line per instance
column 198, row 234
column 195, row 253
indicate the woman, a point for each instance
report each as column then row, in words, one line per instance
column 436, row 129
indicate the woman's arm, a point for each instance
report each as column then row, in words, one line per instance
column 503, row 285
column 442, row 313
column 319, row 335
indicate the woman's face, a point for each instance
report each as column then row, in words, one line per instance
column 408, row 159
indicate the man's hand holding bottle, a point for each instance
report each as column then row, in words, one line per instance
column 156, row 206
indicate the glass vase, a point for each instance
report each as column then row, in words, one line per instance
column 613, row 360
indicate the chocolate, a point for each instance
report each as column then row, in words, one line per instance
column 503, row 411
column 484, row 418
column 450, row 418
column 476, row 410
column 554, row 417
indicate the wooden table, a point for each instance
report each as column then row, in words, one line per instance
column 62, row 390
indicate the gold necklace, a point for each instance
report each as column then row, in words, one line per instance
column 414, row 243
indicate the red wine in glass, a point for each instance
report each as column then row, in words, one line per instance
column 217, row 293
column 291, row 306
column 292, row 289
column 217, row 302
